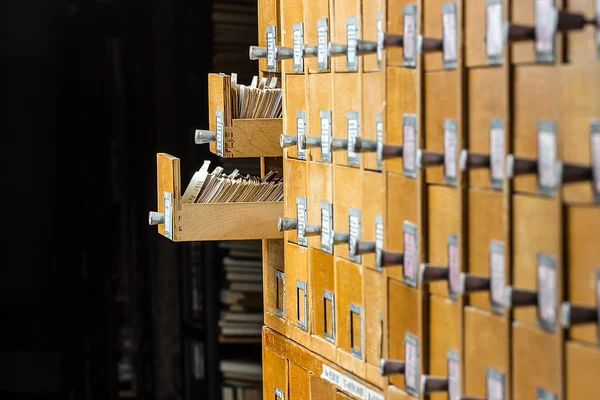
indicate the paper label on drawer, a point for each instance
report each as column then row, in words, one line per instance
column 301, row 218
column 453, row 375
column 453, row 270
column 326, row 227
column 409, row 145
column 300, row 133
column 494, row 32
column 449, row 35
column 378, row 240
column 322, row 43
column 271, row 65
column 353, row 157
column 497, row 153
column 409, row 47
column 542, row 394
column 595, row 157
column 325, row 135
column 546, row 291
column 547, row 168
column 352, row 43
column 411, row 364
column 497, row 275
column 410, row 264
column 450, row 151
column 545, row 30
column 168, row 201
column 379, row 137
column 354, row 231
column 380, row 39
column 494, row 384
column 298, row 36
column 220, row 140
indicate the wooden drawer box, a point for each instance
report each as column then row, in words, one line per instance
column 320, row 184
column 373, row 104
column 295, row 186
column 373, row 204
column 582, row 364
column 486, row 352
column 347, row 91
column 185, row 222
column 241, row 138
column 320, row 100
column 535, row 362
column 347, row 194
column 294, row 100
column 350, row 311
column 344, row 9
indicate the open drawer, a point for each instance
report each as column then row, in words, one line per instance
column 231, row 137
column 185, row 222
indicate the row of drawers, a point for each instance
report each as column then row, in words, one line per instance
column 374, row 16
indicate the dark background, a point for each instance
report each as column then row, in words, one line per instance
column 91, row 91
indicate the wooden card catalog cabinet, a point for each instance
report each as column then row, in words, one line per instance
column 535, row 363
column 486, row 354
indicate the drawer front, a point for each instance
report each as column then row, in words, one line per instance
column 292, row 12
column 535, row 231
column 296, row 292
column 275, row 375
column 373, row 105
column 299, row 382
column 343, row 10
column 403, row 318
column 320, row 184
column 315, row 9
column 295, row 99
column 442, row 222
column 375, row 303
column 486, row 352
column 274, row 285
column 347, row 89
column 319, row 100
column 441, row 94
column 401, row 100
column 295, row 186
column 347, row 193
column 324, row 299
column 536, row 362
column 370, row 14
column 402, row 206
column 582, row 262
column 373, row 204
column 485, row 225
column 350, row 313
column 582, row 364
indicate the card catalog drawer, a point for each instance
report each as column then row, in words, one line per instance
column 292, row 12
column 350, row 313
column 347, row 193
column 441, row 94
column 579, row 106
column 347, row 89
column 344, row 9
column 299, row 382
column 523, row 13
column 395, row 26
column 372, row 12
column 268, row 14
column 320, row 184
column 295, row 100
column 275, row 375
column 433, row 28
column 444, row 336
column 403, row 318
column 373, row 85
column 401, row 213
column 402, row 93
column 375, row 303
column 582, row 265
column 315, row 9
column 581, row 45
column 319, row 100
column 582, row 366
column 485, row 227
column 536, row 98
column 274, row 285
column 296, row 293
column 443, row 223
column 322, row 282
column 487, row 110
column 535, row 362
column 295, row 186
column 486, row 352
column 535, row 225
column 373, row 204
column 320, row 389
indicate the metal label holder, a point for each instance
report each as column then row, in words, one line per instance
column 548, row 174
column 379, row 137
column 380, row 40
column 353, row 125
column 546, row 22
column 546, row 291
column 409, row 145
column 453, row 267
column 280, row 277
column 595, row 157
column 356, row 310
column 298, row 40
column 220, row 132
column 494, row 384
column 453, row 374
column 327, row 227
column 325, row 135
column 542, row 394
